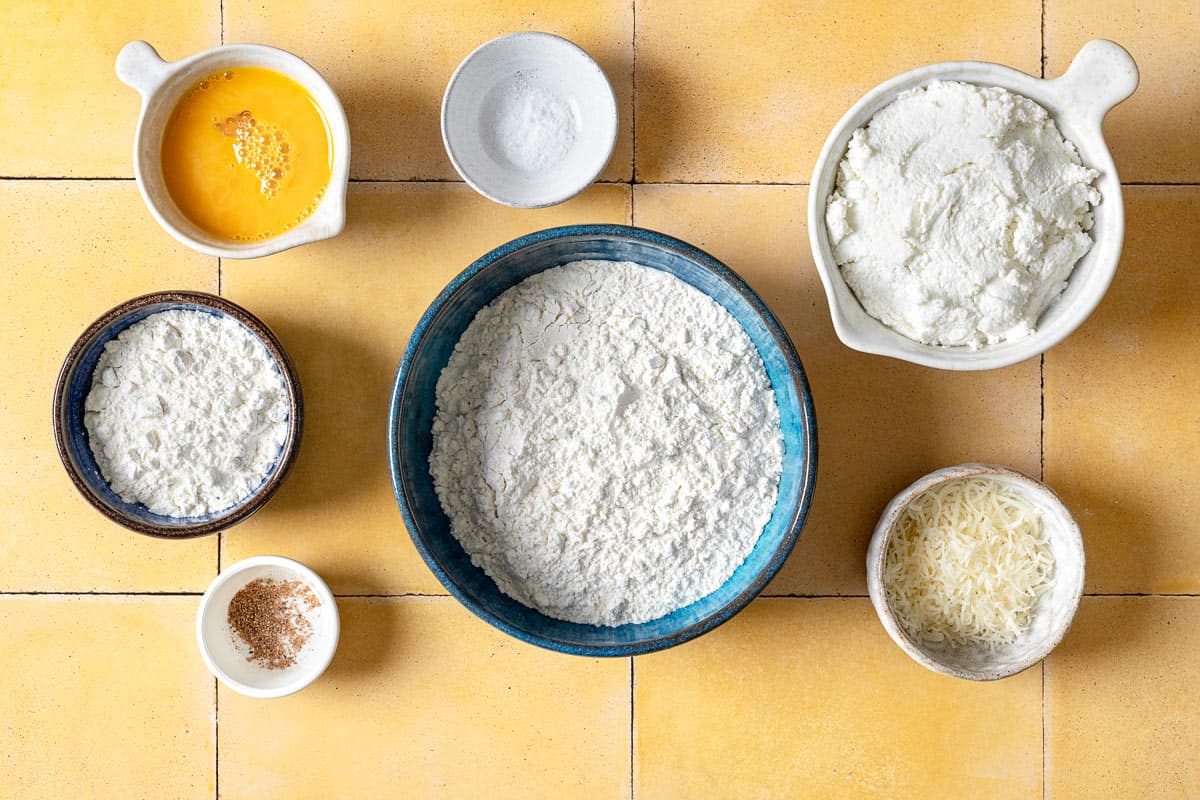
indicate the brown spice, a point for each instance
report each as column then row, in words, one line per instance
column 269, row 616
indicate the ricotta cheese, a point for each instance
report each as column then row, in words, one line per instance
column 958, row 214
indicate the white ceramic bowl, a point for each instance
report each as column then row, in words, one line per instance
column 218, row 642
column 480, row 92
column 1055, row 610
column 1101, row 76
column 162, row 83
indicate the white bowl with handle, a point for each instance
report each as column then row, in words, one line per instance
column 1101, row 76
column 161, row 85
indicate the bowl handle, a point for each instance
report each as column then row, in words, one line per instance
column 1101, row 75
column 140, row 66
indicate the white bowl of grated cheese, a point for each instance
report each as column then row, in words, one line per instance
column 1101, row 75
column 1012, row 609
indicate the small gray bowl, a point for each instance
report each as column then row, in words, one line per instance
column 71, row 437
column 1056, row 609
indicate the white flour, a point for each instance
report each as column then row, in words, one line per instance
column 186, row 414
column 607, row 444
column 535, row 128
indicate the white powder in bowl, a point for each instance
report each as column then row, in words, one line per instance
column 187, row 413
column 535, row 128
column 959, row 213
column 607, row 443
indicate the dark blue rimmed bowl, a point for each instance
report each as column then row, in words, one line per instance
column 71, row 437
column 413, row 407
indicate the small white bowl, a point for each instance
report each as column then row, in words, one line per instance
column 162, row 83
column 480, row 91
column 1055, row 611
column 219, row 645
column 1101, row 76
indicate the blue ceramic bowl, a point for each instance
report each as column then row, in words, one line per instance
column 71, row 437
column 413, row 407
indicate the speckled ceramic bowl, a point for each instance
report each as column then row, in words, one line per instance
column 1054, row 613
column 413, row 408
column 1101, row 76
column 71, row 437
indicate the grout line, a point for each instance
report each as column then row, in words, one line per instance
column 222, row 21
column 799, row 596
column 633, row 176
column 1045, row 663
column 1140, row 594
column 1043, row 37
column 355, row 596
column 100, row 594
column 64, row 178
column 1041, row 423
column 632, row 683
column 386, row 596
column 216, row 740
column 1042, row 420
column 421, row 181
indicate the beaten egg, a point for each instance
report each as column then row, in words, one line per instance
column 247, row 154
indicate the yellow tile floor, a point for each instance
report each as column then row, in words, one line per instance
column 723, row 108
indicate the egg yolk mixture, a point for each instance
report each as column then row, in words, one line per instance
column 246, row 154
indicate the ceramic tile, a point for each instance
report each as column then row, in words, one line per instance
column 62, row 110
column 344, row 310
column 1122, row 435
column 424, row 700
column 881, row 423
column 77, row 248
column 809, row 698
column 391, row 70
column 1121, row 712
column 1152, row 135
column 104, row 697
column 747, row 92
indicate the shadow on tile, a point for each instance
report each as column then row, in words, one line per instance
column 617, row 63
column 369, row 634
column 343, row 450
column 395, row 131
column 1120, row 539
column 881, row 425
column 652, row 72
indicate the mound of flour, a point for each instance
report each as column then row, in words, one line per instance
column 186, row 414
column 607, row 444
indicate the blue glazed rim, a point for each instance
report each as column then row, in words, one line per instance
column 402, row 489
column 71, row 439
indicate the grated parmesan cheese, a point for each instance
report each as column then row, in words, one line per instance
column 967, row 565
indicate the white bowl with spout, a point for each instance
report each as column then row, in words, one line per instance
column 162, row 83
column 1102, row 75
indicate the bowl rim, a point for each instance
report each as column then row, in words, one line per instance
column 1051, row 94
column 291, row 382
column 139, row 65
column 571, row 190
column 796, row 370
column 885, row 529
column 314, row 582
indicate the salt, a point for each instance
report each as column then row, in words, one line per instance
column 535, row 128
